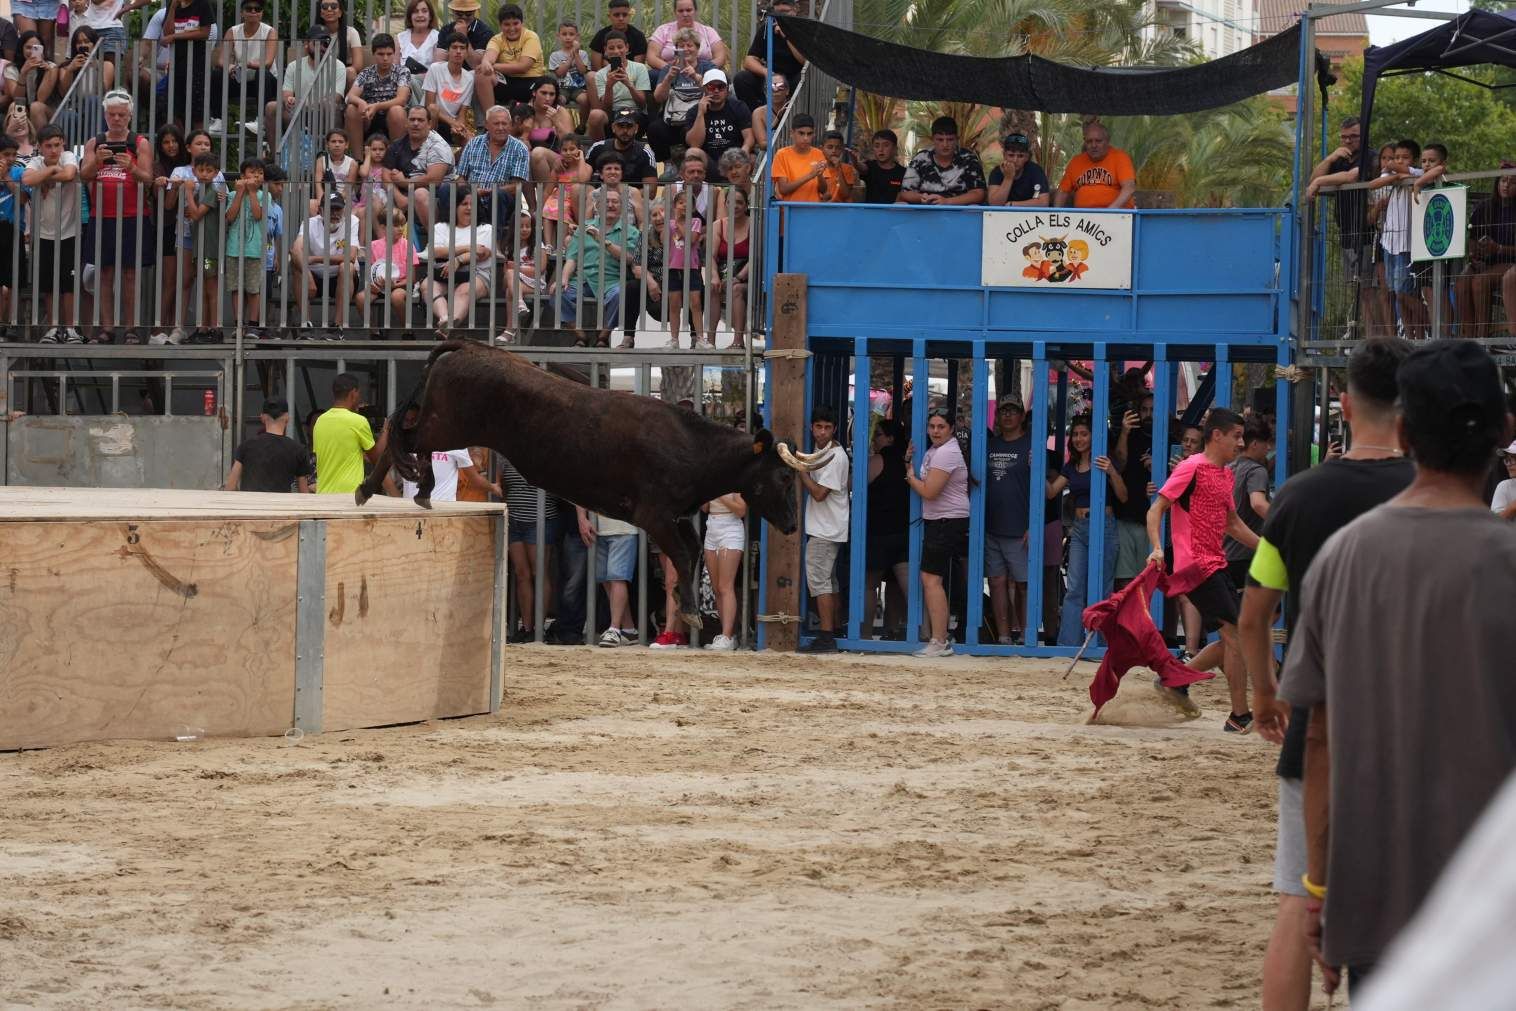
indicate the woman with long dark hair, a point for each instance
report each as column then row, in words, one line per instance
column 943, row 485
column 1492, row 251
column 332, row 15
column 170, row 152
column 1077, row 478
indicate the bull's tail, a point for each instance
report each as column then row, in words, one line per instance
column 402, row 440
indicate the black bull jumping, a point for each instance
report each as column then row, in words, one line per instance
column 629, row 457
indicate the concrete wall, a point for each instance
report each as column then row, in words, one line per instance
column 116, row 451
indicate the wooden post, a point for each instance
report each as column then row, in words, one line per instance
column 787, row 421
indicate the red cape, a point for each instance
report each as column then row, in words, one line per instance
column 1132, row 640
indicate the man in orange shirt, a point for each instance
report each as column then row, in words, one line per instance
column 840, row 179
column 798, row 169
column 1099, row 176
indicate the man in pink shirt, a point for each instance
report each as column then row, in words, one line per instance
column 1200, row 493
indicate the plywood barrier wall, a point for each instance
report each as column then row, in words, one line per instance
column 134, row 629
column 408, row 618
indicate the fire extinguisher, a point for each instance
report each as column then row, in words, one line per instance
column 210, row 403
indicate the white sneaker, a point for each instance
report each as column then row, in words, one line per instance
column 935, row 649
column 215, row 127
column 72, row 336
column 671, row 345
column 50, row 337
column 705, row 344
column 158, row 338
column 175, row 336
column 250, row 126
column 722, row 643
column 610, row 638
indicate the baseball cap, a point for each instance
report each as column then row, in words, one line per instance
column 316, row 33
column 1012, row 400
column 626, row 115
column 275, row 407
column 1450, row 390
column 1018, row 141
column 714, row 76
column 334, row 201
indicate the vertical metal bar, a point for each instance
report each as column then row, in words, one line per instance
column 1163, row 414
column 1439, row 300
column 644, row 383
column 919, row 396
column 1100, row 428
column 1037, row 427
column 310, row 626
column 979, row 452
column 1222, row 396
column 858, row 522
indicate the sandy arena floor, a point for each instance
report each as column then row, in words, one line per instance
column 638, row 829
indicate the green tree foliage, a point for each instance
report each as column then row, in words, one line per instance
column 1476, row 124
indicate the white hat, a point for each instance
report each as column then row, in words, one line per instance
column 1509, row 450
column 714, row 76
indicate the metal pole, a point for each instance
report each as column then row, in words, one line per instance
column 1439, row 300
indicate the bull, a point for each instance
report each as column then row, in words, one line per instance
column 628, row 457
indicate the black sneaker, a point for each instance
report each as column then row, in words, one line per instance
column 1238, row 724
column 523, row 635
column 825, row 642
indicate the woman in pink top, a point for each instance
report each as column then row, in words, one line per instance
column 944, row 489
column 682, row 240
column 660, row 45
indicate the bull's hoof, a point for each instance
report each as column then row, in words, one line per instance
column 423, row 502
column 691, row 618
column 361, row 495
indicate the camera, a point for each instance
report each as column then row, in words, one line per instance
column 616, row 62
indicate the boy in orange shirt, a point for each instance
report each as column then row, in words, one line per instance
column 839, row 178
column 799, row 168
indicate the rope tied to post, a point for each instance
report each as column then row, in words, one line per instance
column 1290, row 373
column 794, row 353
column 779, row 619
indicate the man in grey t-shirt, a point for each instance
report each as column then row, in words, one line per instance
column 1250, row 493
column 1404, row 653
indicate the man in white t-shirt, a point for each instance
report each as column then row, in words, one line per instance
column 615, row 545
column 826, row 525
column 450, row 468
column 1504, row 502
column 326, row 254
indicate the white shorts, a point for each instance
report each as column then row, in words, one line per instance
column 725, row 532
column 1289, row 845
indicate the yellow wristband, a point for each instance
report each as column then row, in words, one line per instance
column 1312, row 889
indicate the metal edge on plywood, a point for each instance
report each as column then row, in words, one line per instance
column 497, row 617
column 310, row 627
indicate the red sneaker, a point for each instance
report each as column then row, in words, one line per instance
column 670, row 640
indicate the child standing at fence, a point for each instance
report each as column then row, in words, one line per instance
column 373, row 197
column 273, row 231
column 391, row 258
column 104, row 16
column 246, row 219
column 569, row 65
column 682, row 240
column 203, row 203
column 561, row 198
column 53, row 176
column 12, row 261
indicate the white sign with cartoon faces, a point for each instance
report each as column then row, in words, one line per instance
column 1057, row 249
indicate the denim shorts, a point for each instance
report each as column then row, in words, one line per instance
column 43, row 11
column 1005, row 556
column 525, row 532
column 616, row 558
column 1398, row 274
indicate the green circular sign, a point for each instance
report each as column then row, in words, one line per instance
column 1437, row 225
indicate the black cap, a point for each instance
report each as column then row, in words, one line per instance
column 275, row 407
column 1016, row 142
column 1450, row 391
column 316, row 33
column 335, row 202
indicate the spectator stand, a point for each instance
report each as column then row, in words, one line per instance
column 1211, row 286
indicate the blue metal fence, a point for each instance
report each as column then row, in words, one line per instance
column 1209, row 286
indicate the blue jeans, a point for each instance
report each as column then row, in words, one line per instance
column 1070, row 626
column 610, row 299
column 572, row 572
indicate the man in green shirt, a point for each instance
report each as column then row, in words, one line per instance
column 604, row 255
column 343, row 440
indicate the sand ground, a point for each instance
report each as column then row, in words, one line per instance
column 640, row 829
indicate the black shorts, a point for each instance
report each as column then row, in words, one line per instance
column 510, row 90
column 885, row 551
column 1216, row 600
column 134, row 236
column 677, row 276
column 61, row 253
column 12, row 255
column 1238, row 571
column 942, row 541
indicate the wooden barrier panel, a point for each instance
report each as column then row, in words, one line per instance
column 133, row 629
column 135, row 614
column 788, row 421
column 408, row 609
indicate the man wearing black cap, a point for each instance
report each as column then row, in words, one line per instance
column 1018, row 181
column 944, row 173
column 271, row 460
column 637, row 159
column 1403, row 652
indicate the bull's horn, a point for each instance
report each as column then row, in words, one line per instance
column 822, row 454
column 805, row 462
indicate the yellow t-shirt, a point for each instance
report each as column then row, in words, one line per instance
column 791, row 165
column 340, row 440
column 527, row 47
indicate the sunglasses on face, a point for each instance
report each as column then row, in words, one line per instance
column 715, row 87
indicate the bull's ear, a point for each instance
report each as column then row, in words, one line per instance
column 762, row 442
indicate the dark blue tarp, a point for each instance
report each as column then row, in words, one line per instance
column 1475, row 38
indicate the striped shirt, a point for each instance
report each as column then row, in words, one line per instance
column 521, row 497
